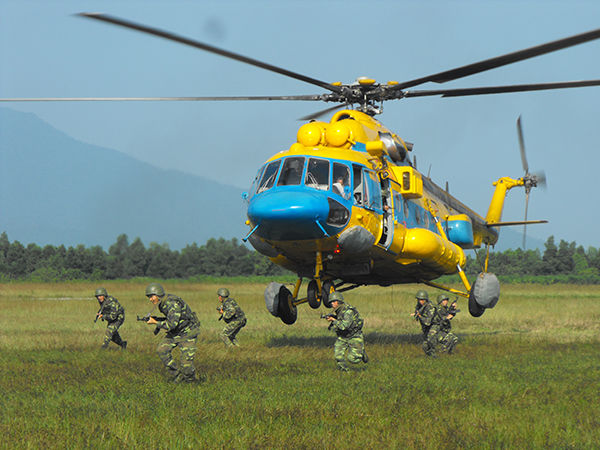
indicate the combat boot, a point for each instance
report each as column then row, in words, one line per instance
column 365, row 357
column 124, row 345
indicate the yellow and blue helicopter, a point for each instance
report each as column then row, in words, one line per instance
column 345, row 205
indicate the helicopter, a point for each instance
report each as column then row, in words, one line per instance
column 345, row 205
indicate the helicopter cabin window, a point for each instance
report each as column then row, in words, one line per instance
column 373, row 190
column 398, row 206
column 341, row 180
column 291, row 173
column 357, row 187
column 269, row 175
column 317, row 174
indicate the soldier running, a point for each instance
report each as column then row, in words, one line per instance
column 182, row 329
column 112, row 312
column 347, row 323
column 233, row 316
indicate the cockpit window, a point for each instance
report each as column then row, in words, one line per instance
column 256, row 181
column 269, row 176
column 341, row 180
column 317, row 174
column 291, row 173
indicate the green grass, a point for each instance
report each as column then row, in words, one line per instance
column 525, row 376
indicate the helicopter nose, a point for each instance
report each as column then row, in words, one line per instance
column 289, row 215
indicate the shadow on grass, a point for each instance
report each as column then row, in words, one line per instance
column 328, row 341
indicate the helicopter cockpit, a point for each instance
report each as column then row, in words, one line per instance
column 358, row 184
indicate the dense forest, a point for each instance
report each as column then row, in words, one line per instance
column 219, row 257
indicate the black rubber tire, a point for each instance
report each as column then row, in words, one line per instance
column 474, row 308
column 314, row 301
column 288, row 313
column 326, row 289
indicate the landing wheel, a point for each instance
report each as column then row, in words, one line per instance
column 313, row 300
column 474, row 308
column 327, row 288
column 288, row 313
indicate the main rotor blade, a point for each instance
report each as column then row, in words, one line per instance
column 522, row 147
column 463, row 92
column 503, row 60
column 323, row 112
column 315, row 98
column 209, row 48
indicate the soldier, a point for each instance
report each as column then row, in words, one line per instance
column 425, row 313
column 182, row 329
column 112, row 312
column 445, row 315
column 232, row 315
column 348, row 324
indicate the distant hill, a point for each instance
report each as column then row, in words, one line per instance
column 512, row 238
column 57, row 190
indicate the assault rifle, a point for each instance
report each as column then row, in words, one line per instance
column 453, row 308
column 327, row 316
column 220, row 311
column 148, row 316
column 418, row 310
column 453, row 311
column 98, row 313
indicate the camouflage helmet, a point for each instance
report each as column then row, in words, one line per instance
column 101, row 291
column 155, row 289
column 442, row 297
column 336, row 296
column 223, row 292
column 422, row 295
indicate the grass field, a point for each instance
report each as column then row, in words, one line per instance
column 526, row 375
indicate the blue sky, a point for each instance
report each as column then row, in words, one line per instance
column 470, row 142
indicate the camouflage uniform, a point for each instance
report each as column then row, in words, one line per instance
column 182, row 329
column 348, row 327
column 427, row 315
column 113, row 313
column 235, row 319
column 447, row 339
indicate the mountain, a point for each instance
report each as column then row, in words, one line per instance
column 512, row 238
column 57, row 190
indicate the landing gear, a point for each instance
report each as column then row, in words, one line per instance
column 314, row 301
column 484, row 293
column 474, row 309
column 327, row 289
column 288, row 312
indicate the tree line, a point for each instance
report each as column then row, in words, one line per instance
column 229, row 258
column 566, row 262
column 218, row 258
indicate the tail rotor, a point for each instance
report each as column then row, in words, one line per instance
column 530, row 180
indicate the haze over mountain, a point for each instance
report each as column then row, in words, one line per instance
column 57, row 190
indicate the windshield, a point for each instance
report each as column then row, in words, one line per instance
column 291, row 173
column 317, row 174
column 268, row 178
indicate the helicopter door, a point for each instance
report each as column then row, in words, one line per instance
column 387, row 233
column 371, row 190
